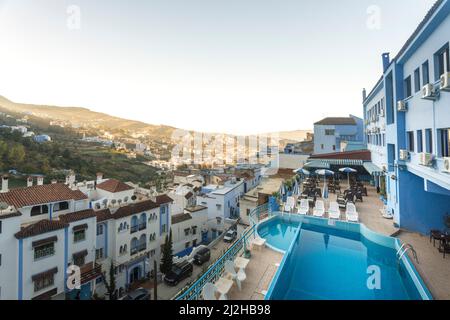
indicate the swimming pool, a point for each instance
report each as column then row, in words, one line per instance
column 341, row 261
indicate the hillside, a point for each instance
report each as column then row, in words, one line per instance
column 83, row 117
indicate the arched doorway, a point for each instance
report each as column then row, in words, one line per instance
column 135, row 274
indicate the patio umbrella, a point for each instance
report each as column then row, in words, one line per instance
column 348, row 171
column 325, row 173
column 302, row 171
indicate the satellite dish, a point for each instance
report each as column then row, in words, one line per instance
column 4, row 205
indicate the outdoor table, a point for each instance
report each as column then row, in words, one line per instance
column 241, row 263
column 223, row 285
column 259, row 243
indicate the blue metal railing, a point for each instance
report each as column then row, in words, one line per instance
column 255, row 214
column 216, row 270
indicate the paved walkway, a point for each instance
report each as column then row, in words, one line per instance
column 260, row 271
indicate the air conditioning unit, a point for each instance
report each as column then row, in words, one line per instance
column 402, row 106
column 404, row 155
column 426, row 159
column 447, row 165
column 445, row 81
column 428, row 92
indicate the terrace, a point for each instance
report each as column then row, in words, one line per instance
column 263, row 265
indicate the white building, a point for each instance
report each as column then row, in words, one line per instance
column 222, row 201
column 45, row 229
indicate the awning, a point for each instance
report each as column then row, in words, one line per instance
column 317, row 164
column 372, row 169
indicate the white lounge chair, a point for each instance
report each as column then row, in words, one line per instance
column 239, row 277
column 334, row 212
column 319, row 209
column 209, row 291
column 304, row 207
column 351, row 214
column 290, row 204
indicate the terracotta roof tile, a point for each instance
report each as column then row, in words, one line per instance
column 178, row 218
column 113, row 185
column 77, row 216
column 131, row 209
column 40, row 227
column 29, row 196
column 103, row 215
column 162, row 199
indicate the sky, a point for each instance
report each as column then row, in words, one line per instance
column 234, row 66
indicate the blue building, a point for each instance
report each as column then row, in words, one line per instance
column 407, row 125
column 330, row 133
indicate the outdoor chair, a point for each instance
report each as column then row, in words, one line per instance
column 319, row 209
column 351, row 214
column 238, row 277
column 209, row 291
column 304, row 207
column 334, row 212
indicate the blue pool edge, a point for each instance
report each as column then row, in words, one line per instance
column 373, row 236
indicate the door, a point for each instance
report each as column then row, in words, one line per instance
column 135, row 274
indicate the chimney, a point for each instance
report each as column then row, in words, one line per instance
column 40, row 180
column 54, row 181
column 99, row 177
column 364, row 94
column 4, row 184
column 386, row 61
column 30, row 181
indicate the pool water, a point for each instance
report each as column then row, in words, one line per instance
column 279, row 236
column 327, row 263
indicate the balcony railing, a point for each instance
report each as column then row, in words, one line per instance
column 138, row 248
column 142, row 226
column 193, row 292
column 134, row 229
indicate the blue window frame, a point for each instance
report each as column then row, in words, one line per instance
column 417, row 80
column 419, row 141
column 429, row 141
column 444, row 137
column 407, row 87
column 410, row 140
column 441, row 62
column 425, row 73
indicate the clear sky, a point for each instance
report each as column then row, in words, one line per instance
column 236, row 66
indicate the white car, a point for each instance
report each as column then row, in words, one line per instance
column 230, row 236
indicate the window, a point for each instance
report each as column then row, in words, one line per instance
column 321, row 146
column 407, row 88
column 0, row 259
column 429, row 141
column 329, row 132
column 60, row 206
column 419, row 141
column 384, row 140
column 79, row 260
column 79, row 235
column 425, row 73
column 44, row 282
column 38, row 210
column 194, row 243
column 0, row 226
column 44, row 251
column 410, row 142
column 187, row 244
column 441, row 62
column 417, row 80
column 194, row 230
column 444, row 135
column 334, row 147
column 186, row 232
column 390, row 105
column 99, row 229
column 99, row 254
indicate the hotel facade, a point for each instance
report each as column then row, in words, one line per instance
column 407, row 125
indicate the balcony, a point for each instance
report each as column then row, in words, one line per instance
column 90, row 271
column 138, row 248
column 142, row 226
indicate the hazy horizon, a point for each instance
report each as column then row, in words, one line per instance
column 233, row 67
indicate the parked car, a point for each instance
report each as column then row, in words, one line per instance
column 202, row 256
column 230, row 236
column 178, row 273
column 138, row 294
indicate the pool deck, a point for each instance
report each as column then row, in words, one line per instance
column 434, row 270
column 260, row 271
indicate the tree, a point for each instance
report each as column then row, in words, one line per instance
column 16, row 154
column 111, row 284
column 167, row 258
